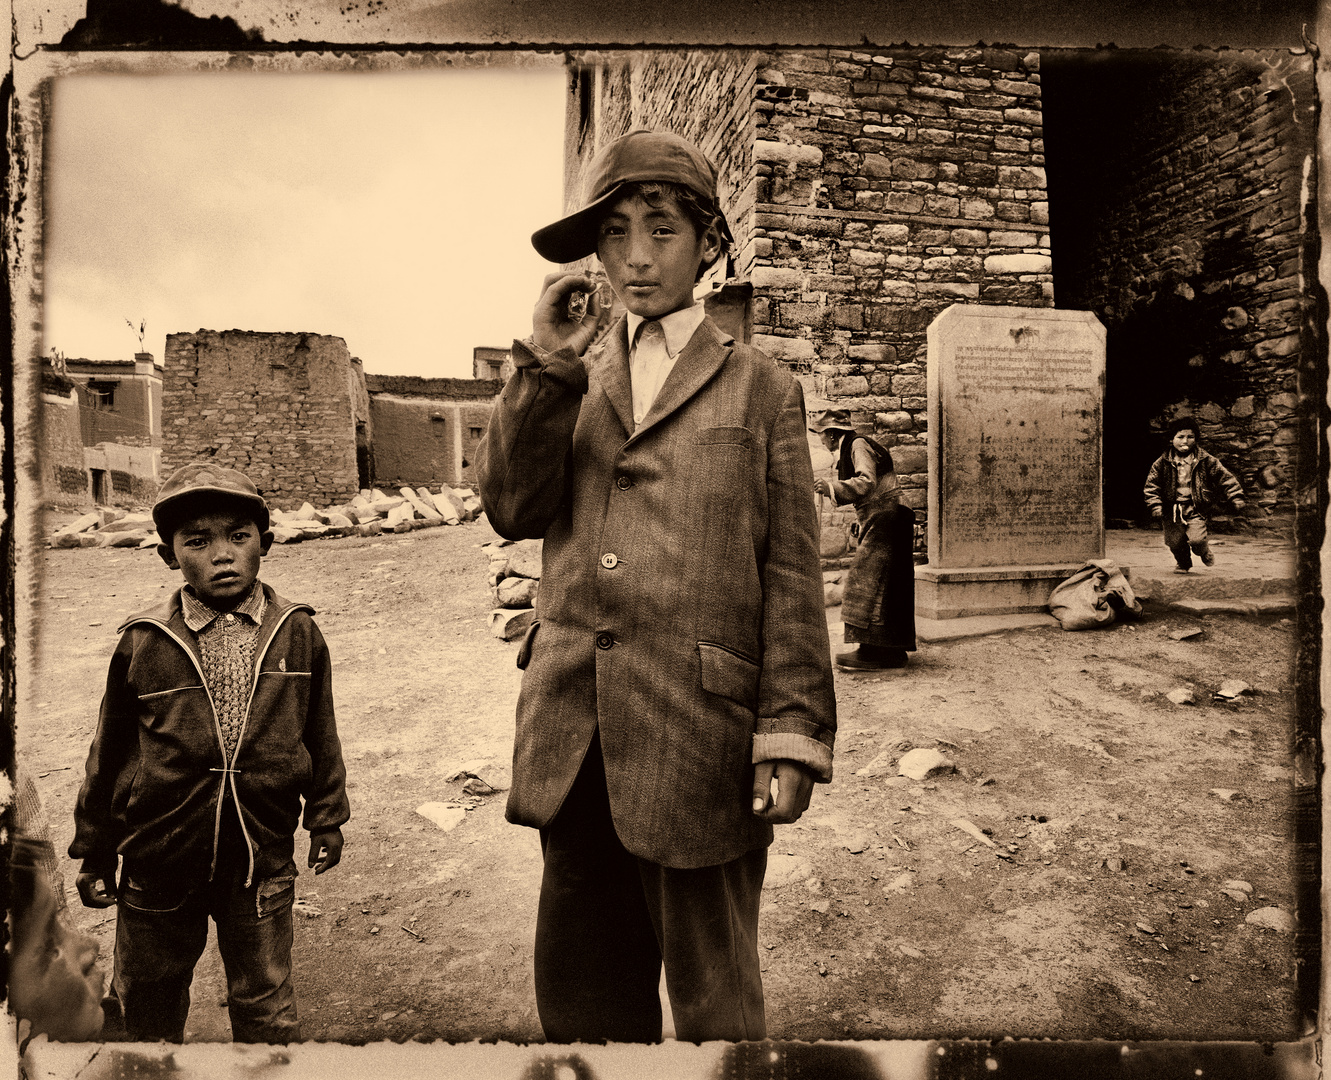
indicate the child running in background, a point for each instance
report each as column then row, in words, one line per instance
column 1184, row 487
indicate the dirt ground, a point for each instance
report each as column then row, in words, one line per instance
column 881, row 918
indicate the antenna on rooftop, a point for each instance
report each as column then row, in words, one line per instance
column 140, row 331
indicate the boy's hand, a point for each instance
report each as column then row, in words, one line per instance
column 97, row 888
column 552, row 329
column 325, row 850
column 794, row 785
column 822, row 486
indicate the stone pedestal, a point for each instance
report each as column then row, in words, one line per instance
column 1015, row 412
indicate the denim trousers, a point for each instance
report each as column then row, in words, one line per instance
column 608, row 920
column 161, row 931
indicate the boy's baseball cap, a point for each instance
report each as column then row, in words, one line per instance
column 200, row 477
column 640, row 155
column 829, row 420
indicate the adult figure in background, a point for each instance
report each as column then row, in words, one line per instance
column 878, row 606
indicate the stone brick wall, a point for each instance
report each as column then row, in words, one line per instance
column 890, row 185
column 1192, row 260
column 277, row 406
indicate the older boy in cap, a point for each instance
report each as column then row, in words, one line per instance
column 680, row 660
column 217, row 721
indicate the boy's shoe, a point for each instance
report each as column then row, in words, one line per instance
column 871, row 659
column 1183, row 569
column 1208, row 558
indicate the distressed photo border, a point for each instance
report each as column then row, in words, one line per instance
column 133, row 37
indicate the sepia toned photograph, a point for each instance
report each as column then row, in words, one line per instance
column 553, row 546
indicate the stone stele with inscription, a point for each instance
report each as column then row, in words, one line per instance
column 1015, row 473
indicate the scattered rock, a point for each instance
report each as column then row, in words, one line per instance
column 444, row 815
column 307, row 906
column 1237, row 895
column 785, row 869
column 1239, row 884
column 1229, row 795
column 510, row 623
column 1182, row 696
column 1271, row 918
column 922, row 763
column 974, row 830
column 879, row 766
column 1185, row 634
column 1115, row 864
column 820, row 906
column 1232, row 688
column 516, row 592
column 1146, row 928
column 856, row 842
column 914, row 954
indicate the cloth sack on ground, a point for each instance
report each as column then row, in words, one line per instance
column 1095, row 595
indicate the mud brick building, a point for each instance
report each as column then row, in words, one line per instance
column 425, row 431
column 101, row 430
column 869, row 190
column 283, row 408
column 299, row 415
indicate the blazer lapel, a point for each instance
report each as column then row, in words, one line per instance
column 613, row 374
column 697, row 363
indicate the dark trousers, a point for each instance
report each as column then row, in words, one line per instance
column 1185, row 533
column 608, row 920
column 878, row 603
column 161, row 930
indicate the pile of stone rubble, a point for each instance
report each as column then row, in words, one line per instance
column 515, row 577
column 370, row 513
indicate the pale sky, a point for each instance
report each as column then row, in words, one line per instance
column 392, row 210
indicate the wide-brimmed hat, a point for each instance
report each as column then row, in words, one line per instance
column 830, row 419
column 640, row 155
column 201, row 478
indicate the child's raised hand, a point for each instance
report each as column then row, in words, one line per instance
column 552, row 327
column 325, row 850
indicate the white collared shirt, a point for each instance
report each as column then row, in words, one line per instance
column 653, row 346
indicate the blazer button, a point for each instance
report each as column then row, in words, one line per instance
column 605, row 641
column 609, row 560
column 624, row 483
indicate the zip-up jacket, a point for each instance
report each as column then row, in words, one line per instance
column 1213, row 485
column 155, row 776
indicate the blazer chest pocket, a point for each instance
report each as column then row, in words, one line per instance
column 729, row 674
column 725, row 436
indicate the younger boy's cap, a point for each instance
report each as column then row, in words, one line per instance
column 640, row 155
column 830, row 419
column 200, row 477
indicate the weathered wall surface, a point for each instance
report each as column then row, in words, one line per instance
column 891, row 185
column 64, row 478
column 131, row 472
column 1192, row 258
column 277, row 406
column 426, row 430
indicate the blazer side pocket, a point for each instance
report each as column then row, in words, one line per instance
column 732, row 436
column 524, row 650
column 729, row 674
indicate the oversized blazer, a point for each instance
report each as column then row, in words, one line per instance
column 681, row 604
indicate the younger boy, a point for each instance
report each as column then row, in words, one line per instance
column 1184, row 487
column 680, row 658
column 217, row 720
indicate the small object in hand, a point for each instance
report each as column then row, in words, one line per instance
column 577, row 306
